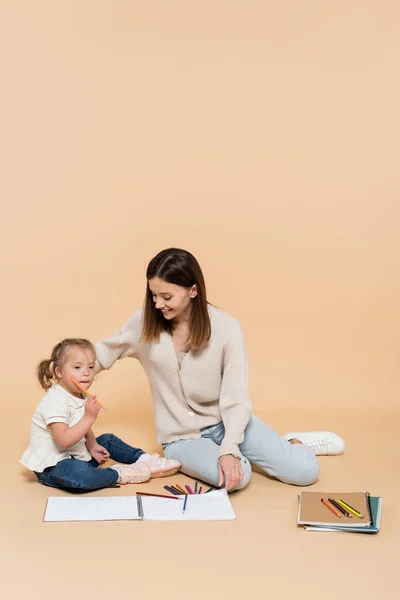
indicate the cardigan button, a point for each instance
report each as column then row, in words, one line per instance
column 191, row 413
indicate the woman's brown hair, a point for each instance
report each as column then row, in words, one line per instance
column 46, row 369
column 180, row 268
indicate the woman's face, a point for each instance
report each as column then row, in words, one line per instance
column 173, row 300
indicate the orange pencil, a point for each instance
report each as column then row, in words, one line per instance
column 80, row 387
column 181, row 489
column 331, row 508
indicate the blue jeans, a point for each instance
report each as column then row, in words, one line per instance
column 262, row 446
column 74, row 475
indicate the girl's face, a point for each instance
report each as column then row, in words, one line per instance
column 173, row 300
column 79, row 364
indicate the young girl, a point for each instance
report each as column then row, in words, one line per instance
column 63, row 451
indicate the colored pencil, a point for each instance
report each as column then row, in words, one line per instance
column 335, row 512
column 351, row 509
column 200, row 488
column 181, row 489
column 157, row 496
column 189, row 489
column 82, row 389
column 195, row 487
column 342, row 510
column 209, row 490
column 171, row 491
column 175, row 490
column 184, row 504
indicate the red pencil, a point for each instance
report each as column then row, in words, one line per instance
column 158, row 496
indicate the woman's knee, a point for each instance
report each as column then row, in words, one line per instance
column 305, row 473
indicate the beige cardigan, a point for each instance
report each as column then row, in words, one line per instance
column 210, row 386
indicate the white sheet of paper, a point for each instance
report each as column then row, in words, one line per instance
column 214, row 506
column 100, row 508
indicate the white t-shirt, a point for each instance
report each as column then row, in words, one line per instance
column 58, row 406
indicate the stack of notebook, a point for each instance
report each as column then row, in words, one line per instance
column 357, row 512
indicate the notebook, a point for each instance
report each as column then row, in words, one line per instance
column 376, row 509
column 312, row 512
column 214, row 506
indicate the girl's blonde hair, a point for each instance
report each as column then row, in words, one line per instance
column 46, row 369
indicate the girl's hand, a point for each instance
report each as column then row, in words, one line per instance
column 92, row 408
column 230, row 468
column 100, row 454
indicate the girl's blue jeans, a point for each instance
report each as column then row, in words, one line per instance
column 74, row 475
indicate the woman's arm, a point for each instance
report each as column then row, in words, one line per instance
column 235, row 405
column 123, row 343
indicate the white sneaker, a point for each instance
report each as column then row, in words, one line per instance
column 159, row 466
column 135, row 473
column 322, row 442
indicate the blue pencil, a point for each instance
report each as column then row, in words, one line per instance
column 170, row 490
column 185, row 502
column 195, row 487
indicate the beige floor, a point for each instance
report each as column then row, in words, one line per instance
column 262, row 552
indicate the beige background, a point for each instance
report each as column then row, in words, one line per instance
column 264, row 139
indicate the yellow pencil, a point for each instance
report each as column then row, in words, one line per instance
column 349, row 508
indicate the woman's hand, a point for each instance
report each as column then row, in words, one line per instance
column 230, row 468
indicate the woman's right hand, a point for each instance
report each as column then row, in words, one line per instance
column 92, row 408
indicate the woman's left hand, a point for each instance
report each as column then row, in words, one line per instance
column 230, row 468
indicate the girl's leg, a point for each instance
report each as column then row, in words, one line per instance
column 119, row 450
column 75, row 475
column 127, row 455
column 291, row 463
column 199, row 459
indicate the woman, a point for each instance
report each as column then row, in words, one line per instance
column 194, row 356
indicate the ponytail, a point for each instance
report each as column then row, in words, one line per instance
column 45, row 374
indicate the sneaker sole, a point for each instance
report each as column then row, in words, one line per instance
column 138, row 479
column 164, row 473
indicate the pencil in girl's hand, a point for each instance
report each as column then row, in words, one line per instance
column 85, row 391
column 184, row 504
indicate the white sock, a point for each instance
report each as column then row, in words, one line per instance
column 143, row 457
